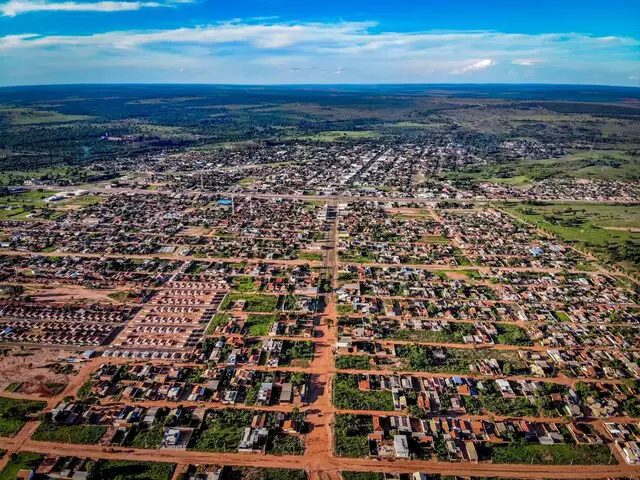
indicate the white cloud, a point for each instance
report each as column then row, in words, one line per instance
column 475, row 66
column 524, row 62
column 18, row 7
column 273, row 51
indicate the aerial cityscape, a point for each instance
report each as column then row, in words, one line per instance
column 241, row 283
column 283, row 240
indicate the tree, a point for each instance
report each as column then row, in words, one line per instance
column 416, row 412
column 14, row 291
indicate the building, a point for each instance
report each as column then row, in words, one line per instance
column 401, row 446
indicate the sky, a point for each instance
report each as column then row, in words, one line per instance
column 319, row 42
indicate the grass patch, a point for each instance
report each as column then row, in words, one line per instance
column 218, row 320
column 585, row 226
column 310, row 256
column 553, row 454
column 353, row 362
column 344, row 308
column 421, row 358
column 347, row 396
column 439, row 239
column 335, row 136
column 121, row 295
column 223, row 430
column 78, row 434
column 253, row 303
column 130, row 470
column 451, row 333
column 362, row 475
column 285, row 445
column 461, row 259
column 31, row 116
column 13, row 387
column 14, row 413
column 85, row 390
column 513, row 335
column 244, row 283
column 252, row 473
column 149, row 438
column 259, row 325
column 20, row 461
column 350, row 435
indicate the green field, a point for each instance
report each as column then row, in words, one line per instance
column 310, row 256
column 259, row 325
column 602, row 164
column 81, row 434
column 350, row 435
column 30, row 116
column 31, row 198
column 20, row 461
column 553, row 454
column 13, row 414
column 335, row 136
column 253, row 303
column 252, row 473
column 589, row 226
column 121, row 469
column 347, row 396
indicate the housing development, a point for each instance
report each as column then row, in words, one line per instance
column 319, row 310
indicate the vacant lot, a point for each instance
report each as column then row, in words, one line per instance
column 13, row 414
column 120, row 469
column 82, row 434
column 554, row 454
column 606, row 230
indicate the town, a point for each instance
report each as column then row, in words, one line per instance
column 286, row 334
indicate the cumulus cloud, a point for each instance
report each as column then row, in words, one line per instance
column 475, row 66
column 18, row 7
column 241, row 51
column 524, row 62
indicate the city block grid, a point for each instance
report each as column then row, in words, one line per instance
column 323, row 336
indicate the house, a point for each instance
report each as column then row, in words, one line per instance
column 253, row 440
column 401, row 446
column 176, row 438
column 264, row 394
column 472, row 454
column 25, row 475
column 286, row 394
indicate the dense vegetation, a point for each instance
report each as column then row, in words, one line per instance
column 421, row 358
column 350, row 435
column 128, row 470
column 362, row 475
column 253, row 302
column 553, row 454
column 45, row 127
column 346, row 395
column 258, row 473
column 20, row 461
column 84, row 434
column 13, row 414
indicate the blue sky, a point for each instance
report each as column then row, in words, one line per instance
column 329, row 41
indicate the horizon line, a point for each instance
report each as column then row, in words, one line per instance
column 299, row 85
